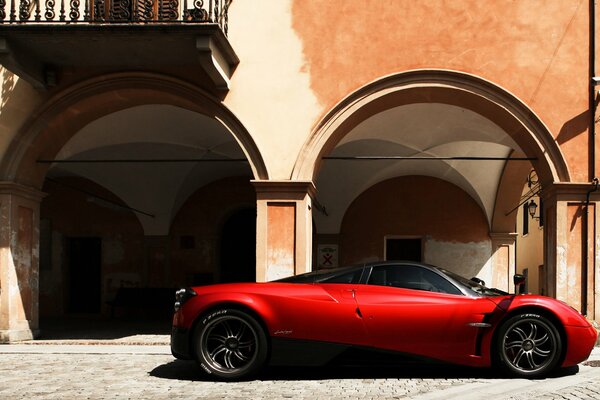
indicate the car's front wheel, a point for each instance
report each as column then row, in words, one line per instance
column 230, row 344
column 529, row 345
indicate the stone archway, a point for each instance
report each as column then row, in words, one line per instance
column 436, row 86
column 68, row 111
column 41, row 138
column 518, row 123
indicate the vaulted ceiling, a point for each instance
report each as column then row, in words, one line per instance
column 153, row 133
column 414, row 130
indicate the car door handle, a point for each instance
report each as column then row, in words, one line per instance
column 358, row 312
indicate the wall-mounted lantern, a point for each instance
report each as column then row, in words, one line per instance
column 532, row 209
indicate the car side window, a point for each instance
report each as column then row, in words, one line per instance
column 411, row 277
column 348, row 277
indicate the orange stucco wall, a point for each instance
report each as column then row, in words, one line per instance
column 574, row 255
column 536, row 50
column 415, row 206
column 281, row 240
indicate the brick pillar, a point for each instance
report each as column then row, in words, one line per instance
column 283, row 228
column 19, row 261
column 503, row 261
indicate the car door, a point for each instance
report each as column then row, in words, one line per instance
column 325, row 311
column 411, row 309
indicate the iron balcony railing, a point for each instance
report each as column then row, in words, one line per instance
column 114, row 11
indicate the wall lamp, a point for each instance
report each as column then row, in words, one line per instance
column 532, row 209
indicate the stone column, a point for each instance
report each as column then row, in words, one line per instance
column 283, row 228
column 19, row 262
column 572, row 268
column 503, row 261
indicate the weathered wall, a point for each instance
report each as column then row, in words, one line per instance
column 19, row 254
column 454, row 229
column 308, row 55
column 73, row 213
column 270, row 89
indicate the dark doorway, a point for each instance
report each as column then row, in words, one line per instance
column 84, row 274
column 403, row 249
column 238, row 247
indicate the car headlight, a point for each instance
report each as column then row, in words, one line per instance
column 183, row 295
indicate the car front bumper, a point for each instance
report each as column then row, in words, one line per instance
column 580, row 343
column 180, row 343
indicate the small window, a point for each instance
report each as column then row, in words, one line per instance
column 411, row 277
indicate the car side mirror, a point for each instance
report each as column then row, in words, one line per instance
column 519, row 281
column 477, row 280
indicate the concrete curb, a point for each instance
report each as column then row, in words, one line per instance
column 84, row 349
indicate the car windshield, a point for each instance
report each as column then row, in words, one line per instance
column 472, row 285
column 337, row 275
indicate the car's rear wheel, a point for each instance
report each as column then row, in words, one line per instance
column 529, row 345
column 230, row 344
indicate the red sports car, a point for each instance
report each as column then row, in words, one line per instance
column 233, row 330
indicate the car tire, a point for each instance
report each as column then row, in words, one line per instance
column 230, row 344
column 528, row 346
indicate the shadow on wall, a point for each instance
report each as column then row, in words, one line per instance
column 8, row 85
column 574, row 127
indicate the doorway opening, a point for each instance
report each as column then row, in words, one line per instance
column 85, row 281
column 238, row 247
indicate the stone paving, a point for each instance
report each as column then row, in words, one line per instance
column 119, row 371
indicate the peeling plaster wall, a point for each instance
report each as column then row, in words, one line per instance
column 466, row 259
column 281, row 240
column 452, row 226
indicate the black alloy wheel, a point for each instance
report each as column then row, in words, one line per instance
column 230, row 344
column 529, row 345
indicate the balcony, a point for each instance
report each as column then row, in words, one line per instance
column 43, row 40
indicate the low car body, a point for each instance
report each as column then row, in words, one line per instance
column 403, row 308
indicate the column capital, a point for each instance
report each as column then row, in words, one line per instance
column 503, row 237
column 26, row 192
column 292, row 190
column 569, row 191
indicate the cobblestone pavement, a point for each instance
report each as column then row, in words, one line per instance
column 150, row 372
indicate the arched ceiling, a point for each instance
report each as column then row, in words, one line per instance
column 414, row 130
column 153, row 132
